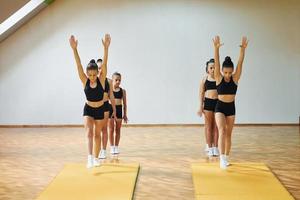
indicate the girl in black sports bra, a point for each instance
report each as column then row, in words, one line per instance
column 94, row 84
column 115, row 123
column 227, row 83
column 208, row 100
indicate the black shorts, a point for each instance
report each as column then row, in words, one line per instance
column 210, row 104
column 119, row 111
column 96, row 113
column 228, row 109
column 108, row 108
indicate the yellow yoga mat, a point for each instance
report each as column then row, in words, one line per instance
column 107, row 182
column 241, row 181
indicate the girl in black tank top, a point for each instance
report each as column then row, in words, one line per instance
column 227, row 87
column 115, row 124
column 207, row 107
column 94, row 86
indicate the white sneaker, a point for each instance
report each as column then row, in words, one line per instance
column 215, row 151
column 90, row 161
column 210, row 152
column 206, row 148
column 96, row 162
column 112, row 149
column 102, row 154
column 227, row 160
column 223, row 162
column 117, row 151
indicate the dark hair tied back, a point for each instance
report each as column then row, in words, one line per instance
column 92, row 65
column 227, row 62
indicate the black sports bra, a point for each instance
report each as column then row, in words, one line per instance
column 227, row 87
column 93, row 94
column 119, row 94
column 210, row 85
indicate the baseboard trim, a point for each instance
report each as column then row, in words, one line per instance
column 138, row 125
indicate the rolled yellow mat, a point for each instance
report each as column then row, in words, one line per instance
column 241, row 181
column 107, row 182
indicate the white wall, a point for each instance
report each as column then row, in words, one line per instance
column 161, row 49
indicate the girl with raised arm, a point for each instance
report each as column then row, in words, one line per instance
column 227, row 83
column 93, row 112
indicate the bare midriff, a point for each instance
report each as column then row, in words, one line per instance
column 118, row 102
column 211, row 94
column 95, row 104
column 227, row 98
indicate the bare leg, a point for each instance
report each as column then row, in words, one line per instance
column 215, row 133
column 111, row 125
column 209, row 120
column 229, row 122
column 97, row 137
column 118, row 131
column 104, row 131
column 89, row 128
column 221, row 124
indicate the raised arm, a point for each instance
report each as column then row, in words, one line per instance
column 125, row 106
column 217, row 72
column 201, row 97
column 238, row 72
column 106, row 43
column 73, row 44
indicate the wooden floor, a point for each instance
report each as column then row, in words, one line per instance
column 31, row 157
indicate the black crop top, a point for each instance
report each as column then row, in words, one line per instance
column 119, row 94
column 93, row 94
column 210, row 85
column 227, row 87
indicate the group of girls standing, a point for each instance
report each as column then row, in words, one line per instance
column 105, row 107
column 217, row 101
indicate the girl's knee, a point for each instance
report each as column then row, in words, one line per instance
column 97, row 134
column 90, row 134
